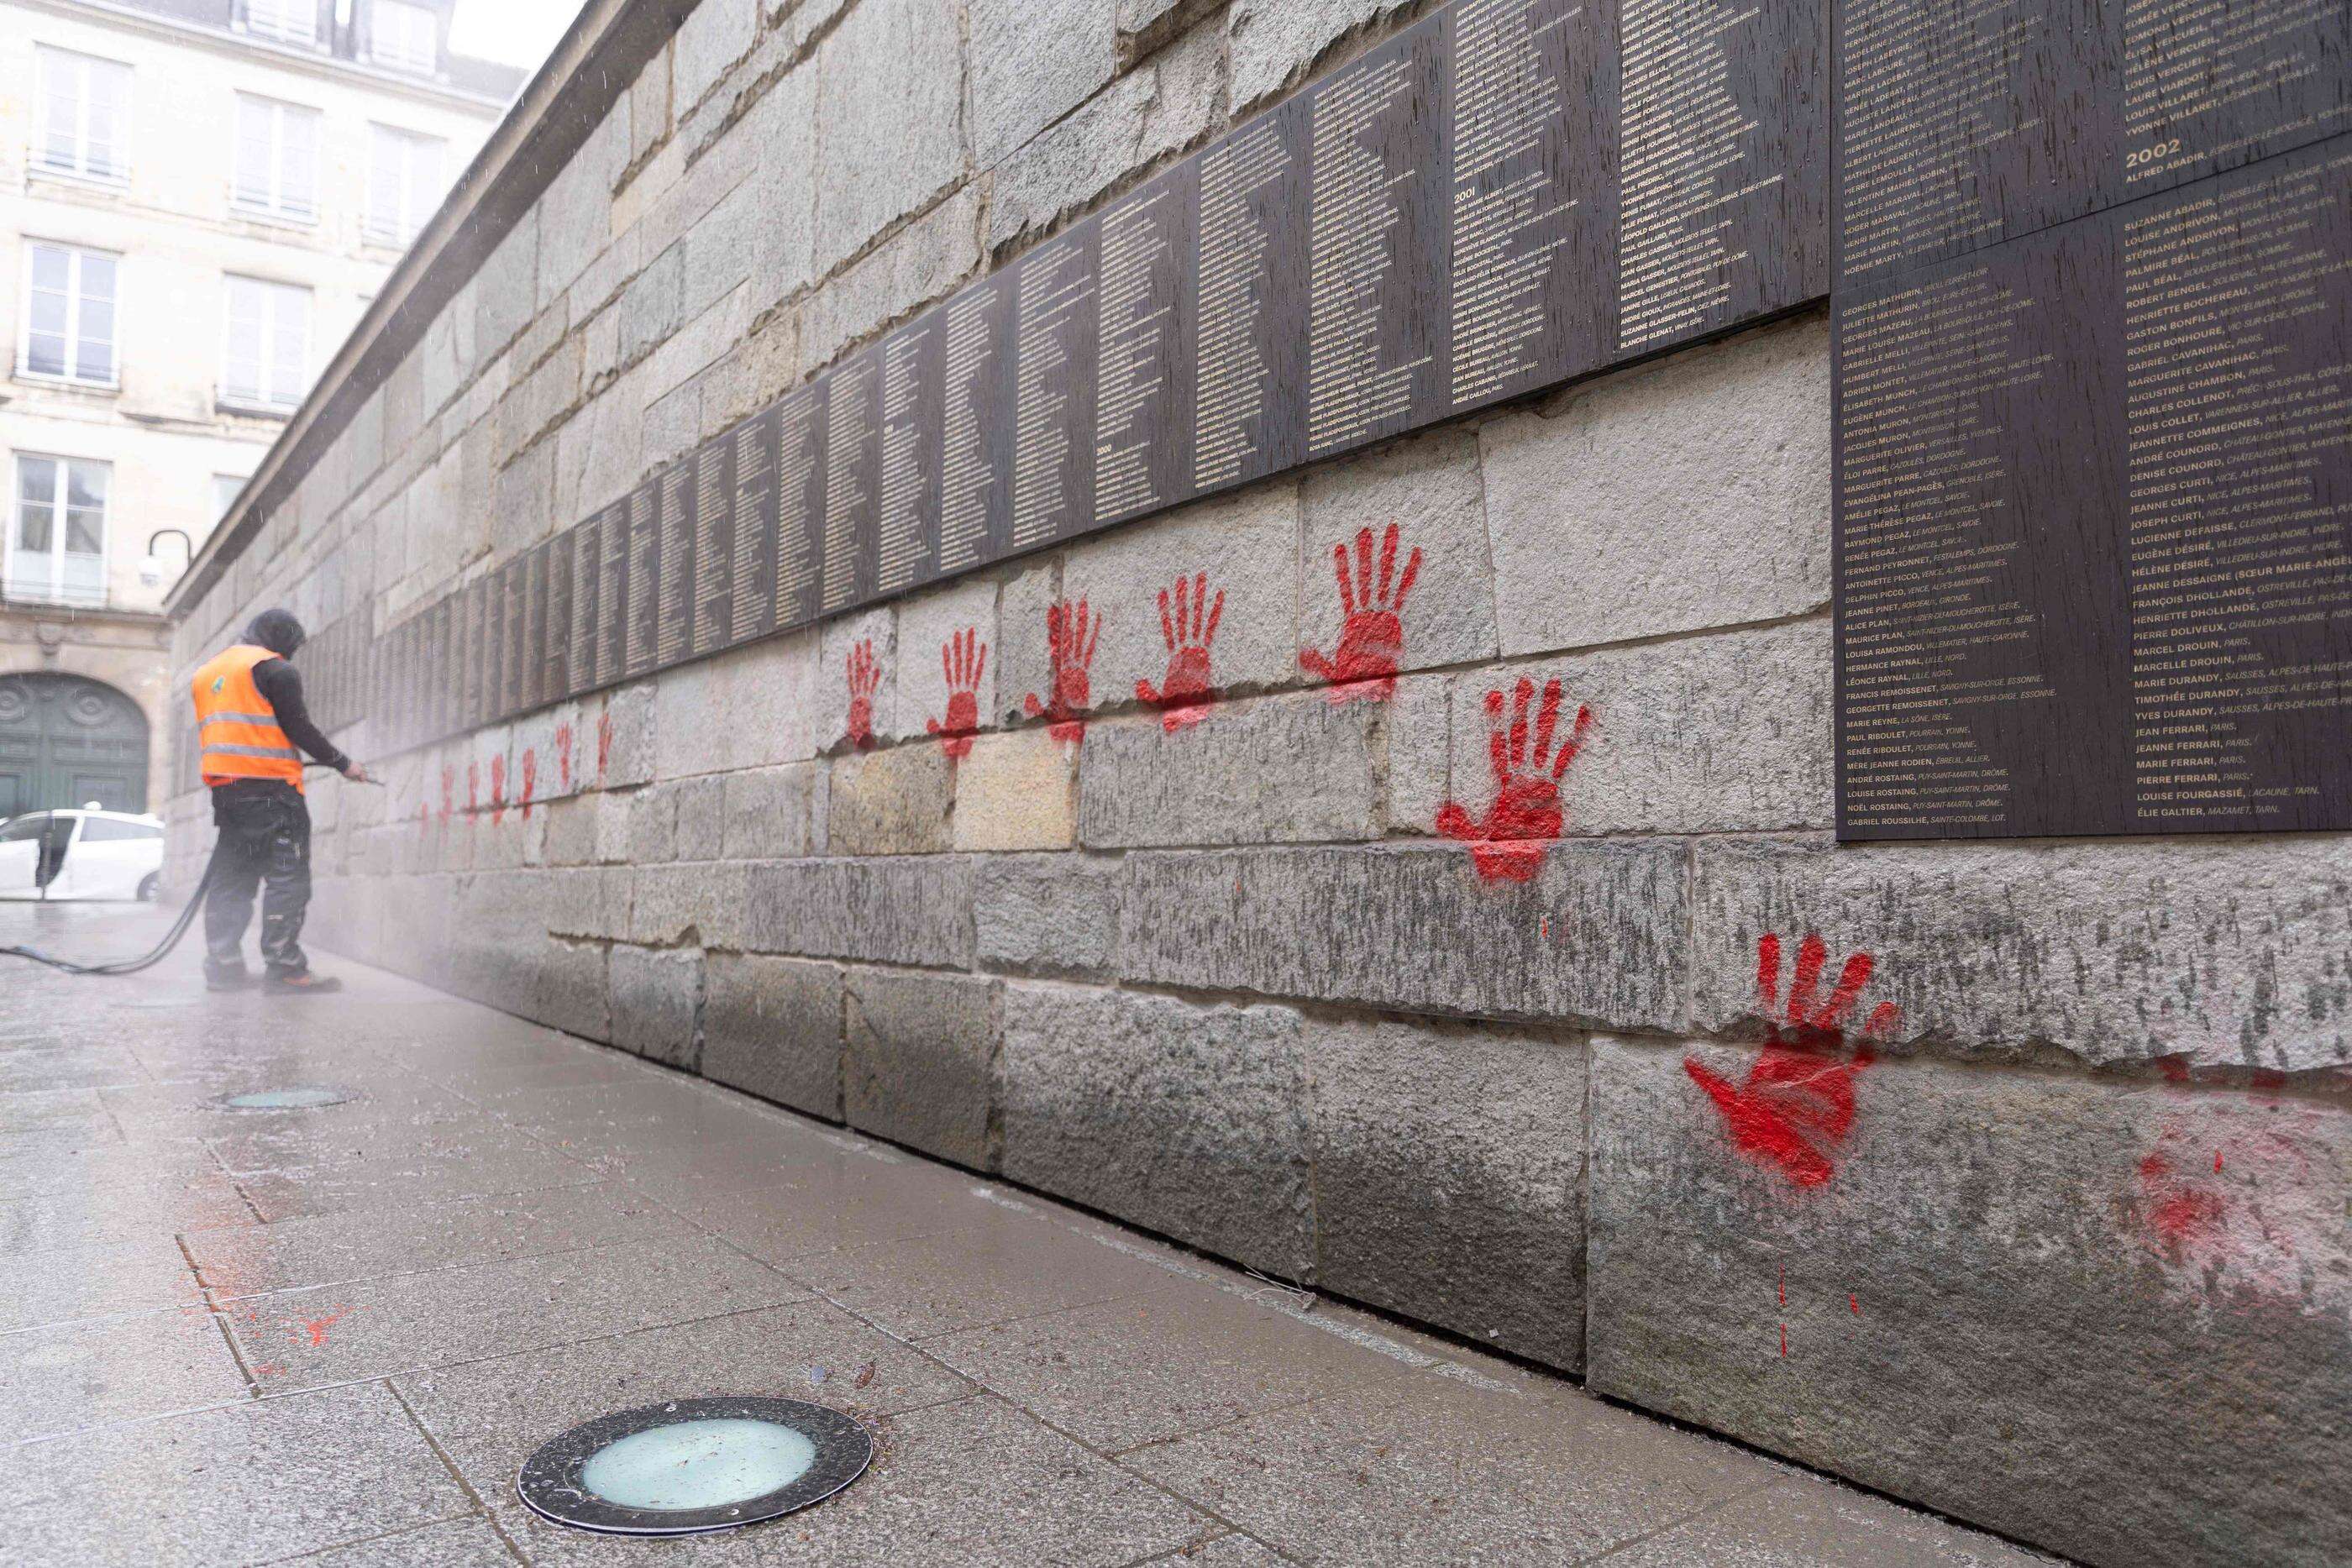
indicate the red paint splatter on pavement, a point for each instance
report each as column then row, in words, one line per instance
column 1190, row 630
column 963, row 659
column 1856, row 1303
column 1509, row 844
column 1796, row 1105
column 1363, row 666
column 563, row 758
column 1784, row 1339
column 865, row 678
column 529, row 780
column 1071, row 635
column 316, row 1328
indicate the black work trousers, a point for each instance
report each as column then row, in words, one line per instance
column 264, row 843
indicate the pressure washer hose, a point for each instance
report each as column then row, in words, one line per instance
column 132, row 965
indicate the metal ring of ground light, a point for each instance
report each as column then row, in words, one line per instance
column 293, row 1097
column 551, row 1484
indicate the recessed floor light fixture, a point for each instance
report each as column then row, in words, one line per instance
column 694, row 1464
column 306, row 1098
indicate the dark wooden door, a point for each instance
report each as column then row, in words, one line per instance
column 66, row 741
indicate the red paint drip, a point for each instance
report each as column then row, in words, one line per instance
column 603, row 744
column 1363, row 666
column 865, row 677
column 963, row 658
column 563, row 758
column 1784, row 1339
column 529, row 780
column 473, row 787
column 1189, row 630
column 317, row 1327
column 449, row 790
column 498, row 791
column 1072, row 632
column 1856, row 1303
column 1509, row 843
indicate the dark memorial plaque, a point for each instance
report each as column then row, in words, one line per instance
column 1053, row 390
column 613, row 597
column 1143, row 348
column 533, row 687
column 514, row 656
column 800, row 507
column 642, row 653
column 1529, row 150
column 494, row 646
column 1723, row 166
column 1378, row 231
column 2094, row 522
column 673, row 628
column 468, row 651
column 853, row 462
column 906, row 500
column 714, row 545
column 1966, row 122
column 752, row 540
column 555, row 685
column 436, row 671
column 587, row 559
column 976, row 426
column 1249, row 302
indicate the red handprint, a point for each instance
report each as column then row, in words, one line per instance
column 449, row 790
column 1070, row 638
column 473, row 787
column 864, row 676
column 1510, row 844
column 529, row 780
column 603, row 744
column 963, row 659
column 1796, row 1105
column 1372, row 628
column 563, row 758
column 1183, row 694
column 498, row 791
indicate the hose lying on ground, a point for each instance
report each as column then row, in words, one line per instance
column 132, row 966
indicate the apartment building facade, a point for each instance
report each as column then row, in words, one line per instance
column 199, row 199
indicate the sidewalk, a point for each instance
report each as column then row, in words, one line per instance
column 333, row 1335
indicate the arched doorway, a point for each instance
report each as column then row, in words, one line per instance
column 66, row 741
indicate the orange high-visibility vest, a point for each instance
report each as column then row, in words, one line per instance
column 237, row 727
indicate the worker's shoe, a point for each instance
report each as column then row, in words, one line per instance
column 305, row 984
column 220, row 978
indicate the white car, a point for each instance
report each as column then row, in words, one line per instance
column 88, row 853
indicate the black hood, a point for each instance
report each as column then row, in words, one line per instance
column 278, row 631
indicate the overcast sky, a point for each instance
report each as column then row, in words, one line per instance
column 518, row 32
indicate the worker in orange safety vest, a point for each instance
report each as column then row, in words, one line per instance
column 254, row 729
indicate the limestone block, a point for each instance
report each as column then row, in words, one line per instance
column 1247, row 545
column 506, row 297
column 691, row 904
column 934, row 630
column 1146, row 25
column 599, row 449
column 1015, row 791
column 2109, row 1319
column 777, row 813
column 572, row 992
column 657, row 1003
column 1722, row 734
column 1449, row 1180
column 1418, row 727
column 890, row 910
column 890, row 98
column 1106, row 1100
column 1047, row 914
column 749, row 708
column 1690, row 493
column 1033, row 64
column 2227, row 953
column 653, row 825
column 673, row 424
column 1274, row 41
column 922, row 262
column 894, row 802
column 915, row 1068
column 572, row 830
column 654, row 306
column 839, row 652
column 625, row 736
column 575, row 213
column 713, row 36
column 1164, row 105
column 1024, row 663
column 773, row 1026
column 1278, row 769
column 649, row 104
column 525, row 487
column 1429, row 487
column 782, row 128
column 701, row 819
column 1598, row 935
column 585, row 902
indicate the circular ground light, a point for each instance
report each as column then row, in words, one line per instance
column 694, row 1464
column 303, row 1099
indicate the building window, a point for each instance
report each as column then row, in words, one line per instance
column 56, row 549
column 404, row 37
column 227, row 489
column 292, row 21
column 269, row 361
column 404, row 183
column 277, row 159
column 85, row 126
column 69, row 298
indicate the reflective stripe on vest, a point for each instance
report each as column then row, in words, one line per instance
column 242, row 738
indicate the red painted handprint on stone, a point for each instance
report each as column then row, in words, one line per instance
column 1190, row 632
column 1509, row 843
column 498, row 791
column 473, row 788
column 864, row 676
column 563, row 758
column 1371, row 627
column 1798, row 1104
column 1070, row 639
column 963, row 659
column 529, row 780
column 603, row 744
column 449, row 791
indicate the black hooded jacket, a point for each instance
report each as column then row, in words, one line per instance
column 277, row 680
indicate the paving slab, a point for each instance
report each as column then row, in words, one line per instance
column 66, row 1376
column 145, row 1274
